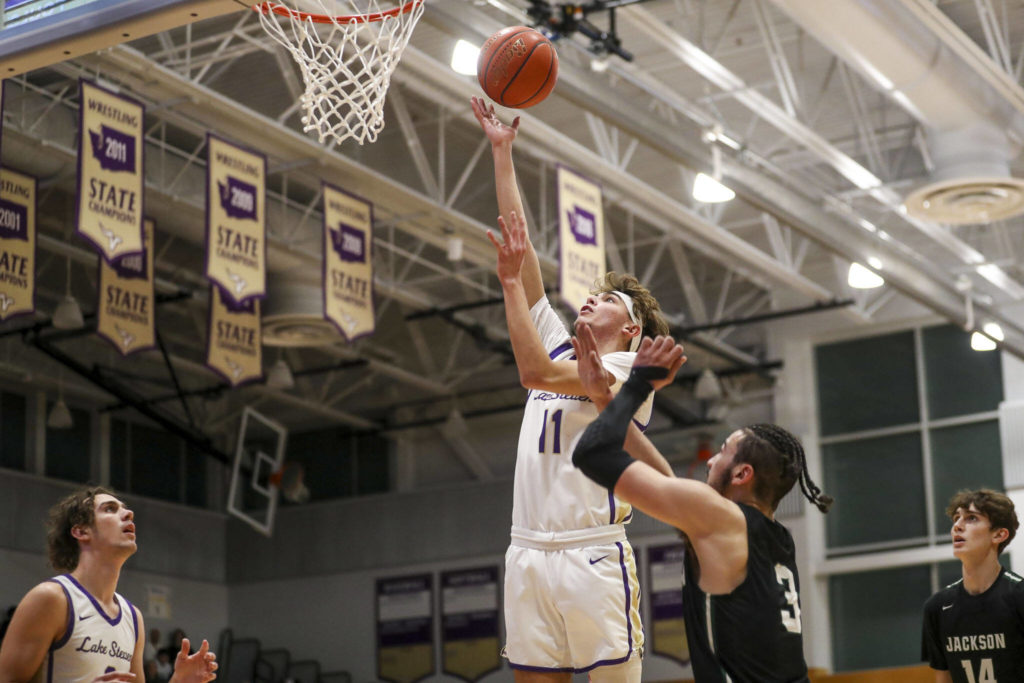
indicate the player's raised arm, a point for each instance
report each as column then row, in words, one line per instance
column 501, row 137
column 536, row 369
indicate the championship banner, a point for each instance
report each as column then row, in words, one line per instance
column 109, row 205
column 348, row 263
column 234, row 348
column 469, row 623
column 236, row 235
column 665, row 586
column 405, row 637
column 17, row 244
column 127, row 313
column 580, row 236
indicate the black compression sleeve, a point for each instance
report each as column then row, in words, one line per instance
column 599, row 453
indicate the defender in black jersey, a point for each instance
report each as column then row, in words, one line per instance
column 742, row 593
column 974, row 628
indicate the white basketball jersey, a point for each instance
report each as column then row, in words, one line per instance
column 94, row 643
column 550, row 494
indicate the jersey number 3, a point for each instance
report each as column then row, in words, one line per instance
column 985, row 672
column 791, row 613
column 556, row 438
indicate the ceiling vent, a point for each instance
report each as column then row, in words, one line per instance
column 971, row 181
column 293, row 314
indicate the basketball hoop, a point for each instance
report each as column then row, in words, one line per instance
column 346, row 60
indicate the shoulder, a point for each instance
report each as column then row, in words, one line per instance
column 942, row 598
column 49, row 594
column 1014, row 585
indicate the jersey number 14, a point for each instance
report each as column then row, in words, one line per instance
column 985, row 672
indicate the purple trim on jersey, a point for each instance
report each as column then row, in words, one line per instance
column 625, row 584
column 611, row 508
column 113, row 621
column 135, row 620
column 63, row 640
column 543, row 669
column 639, row 425
column 557, row 351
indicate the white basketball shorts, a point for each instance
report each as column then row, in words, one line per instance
column 571, row 609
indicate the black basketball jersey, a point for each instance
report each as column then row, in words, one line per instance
column 977, row 638
column 751, row 635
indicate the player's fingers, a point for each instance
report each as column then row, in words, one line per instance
column 185, row 646
column 204, row 648
column 494, row 240
column 515, row 123
column 645, row 345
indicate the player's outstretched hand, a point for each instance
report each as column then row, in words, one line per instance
column 496, row 131
column 512, row 249
column 127, row 676
column 594, row 378
column 662, row 352
column 197, row 668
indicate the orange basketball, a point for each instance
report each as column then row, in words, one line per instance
column 517, row 67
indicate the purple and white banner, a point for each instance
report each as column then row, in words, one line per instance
column 665, row 588
column 348, row 263
column 405, row 633
column 17, row 244
column 470, row 622
column 580, row 236
column 126, row 305
column 109, row 204
column 234, row 347
column 236, row 232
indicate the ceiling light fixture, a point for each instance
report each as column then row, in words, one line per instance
column 860, row 277
column 708, row 387
column 280, row 376
column 709, row 188
column 986, row 340
column 68, row 315
column 464, row 58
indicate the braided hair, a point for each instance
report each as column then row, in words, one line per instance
column 779, row 460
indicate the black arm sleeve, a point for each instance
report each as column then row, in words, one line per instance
column 599, row 453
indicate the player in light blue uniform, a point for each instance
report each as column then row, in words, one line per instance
column 75, row 627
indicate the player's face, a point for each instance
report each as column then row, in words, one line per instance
column 113, row 525
column 606, row 314
column 972, row 532
column 720, row 464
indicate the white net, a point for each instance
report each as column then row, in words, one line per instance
column 347, row 56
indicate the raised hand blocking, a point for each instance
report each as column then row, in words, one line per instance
column 662, row 352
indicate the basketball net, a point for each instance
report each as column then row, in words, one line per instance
column 346, row 60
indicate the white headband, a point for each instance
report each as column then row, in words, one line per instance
column 634, row 343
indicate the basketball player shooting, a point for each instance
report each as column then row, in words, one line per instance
column 75, row 627
column 741, row 597
column 569, row 563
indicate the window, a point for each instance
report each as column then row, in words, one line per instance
column 151, row 462
column 67, row 450
column 13, row 414
column 906, row 420
column 339, row 464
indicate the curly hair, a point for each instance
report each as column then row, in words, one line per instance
column 77, row 509
column 778, row 459
column 994, row 505
column 645, row 306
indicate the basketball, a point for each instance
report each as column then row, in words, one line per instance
column 518, row 67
